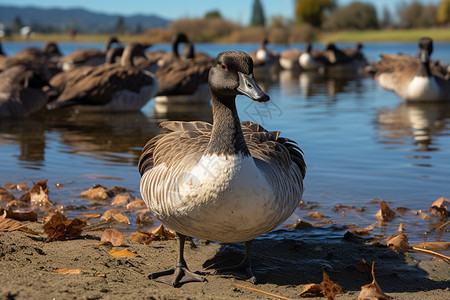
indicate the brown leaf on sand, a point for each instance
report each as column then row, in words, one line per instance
column 440, row 207
column 121, row 253
column 5, row 195
column 8, row 224
column 20, row 216
column 311, row 290
column 364, row 231
column 113, row 236
column 300, row 224
column 159, row 233
column 115, row 215
column 385, row 213
column 97, row 193
column 329, row 288
column 59, row 228
column 121, row 200
column 372, row 291
column 363, row 266
column 136, row 204
column 67, row 271
column 399, row 243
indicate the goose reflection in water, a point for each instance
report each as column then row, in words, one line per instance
column 183, row 111
column 422, row 121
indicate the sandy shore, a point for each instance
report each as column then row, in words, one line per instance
column 283, row 268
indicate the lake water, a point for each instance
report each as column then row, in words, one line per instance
column 361, row 143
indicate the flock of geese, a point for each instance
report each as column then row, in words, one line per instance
column 227, row 181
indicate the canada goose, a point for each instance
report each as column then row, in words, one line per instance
column 86, row 57
column 228, row 182
column 60, row 80
column 263, row 59
column 168, row 58
column 21, row 92
column 184, row 81
column 412, row 78
column 111, row 87
column 311, row 60
column 289, row 59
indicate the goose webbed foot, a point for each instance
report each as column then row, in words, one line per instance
column 244, row 267
column 176, row 276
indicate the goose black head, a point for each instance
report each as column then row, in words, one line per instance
column 425, row 49
column 52, row 49
column 232, row 75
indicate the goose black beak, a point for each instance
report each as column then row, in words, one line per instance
column 248, row 87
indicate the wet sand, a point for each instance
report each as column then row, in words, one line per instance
column 283, row 267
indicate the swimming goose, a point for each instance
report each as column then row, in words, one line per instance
column 184, row 81
column 86, row 57
column 228, row 182
column 172, row 56
column 110, row 87
column 412, row 78
column 21, row 92
column 312, row 60
column 289, row 59
column 263, row 59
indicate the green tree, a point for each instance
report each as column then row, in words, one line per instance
column 417, row 15
column 213, row 14
column 17, row 24
column 120, row 27
column 386, row 21
column 356, row 15
column 313, row 11
column 258, row 18
column 443, row 12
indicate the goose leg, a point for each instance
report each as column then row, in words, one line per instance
column 244, row 266
column 180, row 274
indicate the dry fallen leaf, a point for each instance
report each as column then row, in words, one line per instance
column 20, row 216
column 315, row 215
column 156, row 234
column 121, row 200
column 91, row 215
column 121, row 253
column 300, row 224
column 422, row 215
column 144, row 220
column 399, row 243
column 372, row 291
column 385, row 213
column 136, row 204
column 400, row 228
column 17, row 203
column 39, row 195
column 8, row 224
column 6, row 196
column 363, row 266
column 15, row 186
column 67, row 271
column 440, row 207
column 329, row 288
column 311, row 290
column 113, row 236
column 59, row 228
column 115, row 215
column 364, row 231
column 97, row 193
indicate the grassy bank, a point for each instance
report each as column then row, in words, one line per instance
column 398, row 35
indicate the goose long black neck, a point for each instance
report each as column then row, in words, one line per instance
column 226, row 137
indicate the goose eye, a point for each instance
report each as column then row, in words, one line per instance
column 223, row 67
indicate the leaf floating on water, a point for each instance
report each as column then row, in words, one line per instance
column 315, row 215
column 6, row 196
column 113, row 236
column 385, row 213
column 329, row 288
column 372, row 291
column 440, row 207
column 364, row 231
column 159, row 233
column 422, row 215
column 59, row 228
column 15, row 186
column 97, row 193
column 136, row 204
column 399, row 243
column 67, row 271
column 121, row 200
column 91, row 215
column 311, row 290
column 121, row 253
column 400, row 228
column 20, row 216
column 300, row 224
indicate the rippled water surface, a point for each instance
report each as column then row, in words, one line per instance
column 361, row 142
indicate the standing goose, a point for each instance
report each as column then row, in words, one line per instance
column 111, row 87
column 412, row 78
column 228, row 182
column 86, row 57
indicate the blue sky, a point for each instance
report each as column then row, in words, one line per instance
column 235, row 10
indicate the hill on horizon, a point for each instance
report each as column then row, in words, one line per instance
column 56, row 19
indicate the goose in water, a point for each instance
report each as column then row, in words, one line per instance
column 86, row 57
column 21, row 92
column 412, row 78
column 110, row 87
column 312, row 60
column 263, row 58
column 227, row 182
